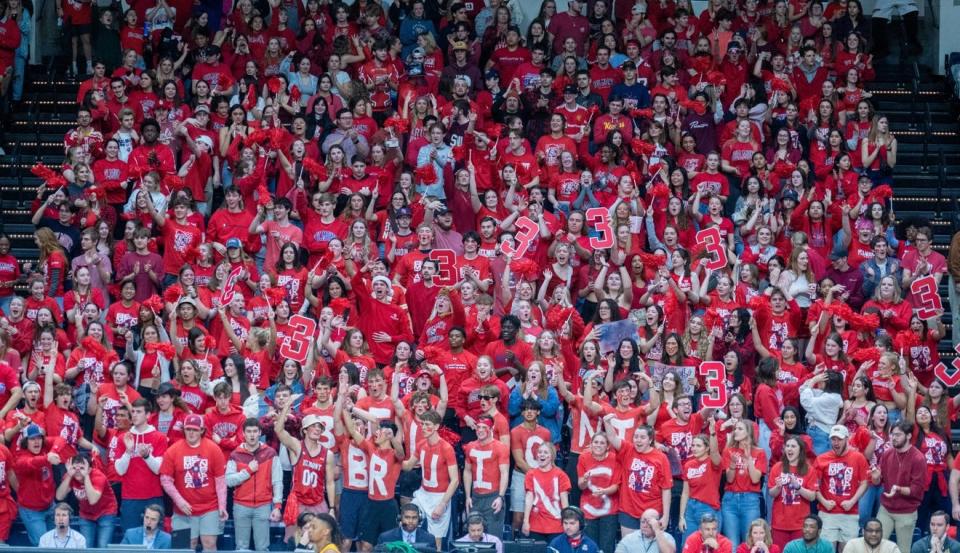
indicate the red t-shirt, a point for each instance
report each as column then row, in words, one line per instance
column 789, row 508
column 107, row 505
column 384, row 471
column 733, row 457
column 603, row 474
column 434, row 461
column 840, row 476
column 585, row 425
column 485, row 462
column 679, row 436
column 177, row 241
column 195, row 470
column 645, row 476
column 546, row 487
column 703, row 478
column 529, row 441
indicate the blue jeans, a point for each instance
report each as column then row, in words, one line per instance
column 764, row 438
column 98, row 533
column 869, row 503
column 37, row 523
column 5, row 304
column 820, row 439
column 737, row 511
column 695, row 510
column 131, row 512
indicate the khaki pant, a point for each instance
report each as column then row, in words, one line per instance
column 903, row 524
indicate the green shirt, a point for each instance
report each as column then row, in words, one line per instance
column 800, row 546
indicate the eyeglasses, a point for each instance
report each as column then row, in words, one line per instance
column 488, row 398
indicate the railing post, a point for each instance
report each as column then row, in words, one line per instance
column 941, row 179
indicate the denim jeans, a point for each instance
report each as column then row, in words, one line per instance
column 820, row 439
column 869, row 503
column 131, row 512
column 954, row 299
column 695, row 510
column 737, row 511
column 98, row 533
column 764, row 438
column 19, row 73
column 604, row 531
column 37, row 523
column 256, row 519
column 5, row 304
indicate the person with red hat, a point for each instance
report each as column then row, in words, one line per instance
column 193, row 474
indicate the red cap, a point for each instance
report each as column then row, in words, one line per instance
column 193, row 421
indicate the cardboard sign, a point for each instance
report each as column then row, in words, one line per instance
column 230, row 286
column 297, row 345
column 600, row 219
column 926, row 292
column 447, row 274
column 715, row 375
column 527, row 232
column 709, row 239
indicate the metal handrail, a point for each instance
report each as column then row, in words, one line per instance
column 941, row 180
column 927, row 128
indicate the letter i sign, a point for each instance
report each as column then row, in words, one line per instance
column 950, row 379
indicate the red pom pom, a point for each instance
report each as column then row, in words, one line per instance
column 527, row 269
column 642, row 147
column 276, row 294
column 652, row 261
column 173, row 182
column 695, row 106
column 263, row 195
column 192, row 255
column 426, row 174
column 210, row 342
column 256, row 137
column 397, row 123
column 162, row 349
column 716, row 78
column 93, row 346
column 880, row 194
column 274, row 84
column 701, row 63
column 295, row 94
column 783, row 169
column 154, row 303
column 432, row 352
column 250, row 100
column 339, row 305
column 865, row 323
column 865, row 354
column 459, row 153
column 660, row 191
column 494, row 130
column 904, row 341
column 316, row 169
column 780, row 85
column 51, row 178
column 759, row 304
column 172, row 294
column 449, row 436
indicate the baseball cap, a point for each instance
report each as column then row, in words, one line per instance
column 442, row 210
column 789, row 195
column 167, row 389
column 459, row 45
column 839, row 431
column 638, row 9
column 491, row 74
column 206, row 140
column 422, row 372
column 570, row 89
column 234, row 243
column 32, row 431
column 404, row 212
column 193, row 421
column 838, row 253
column 201, row 107
column 188, row 300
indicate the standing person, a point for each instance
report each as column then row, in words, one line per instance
column 647, row 480
column 98, row 505
column 193, row 475
column 843, row 480
column 62, row 536
column 8, row 507
column 149, row 534
column 254, row 471
column 33, row 467
column 486, row 474
column 791, row 487
column 937, row 541
column 598, row 477
column 139, row 456
column 572, row 539
column 384, row 454
column 547, row 493
column 872, row 540
column 525, row 441
column 744, row 465
column 314, row 468
column 902, row 473
column 440, row 476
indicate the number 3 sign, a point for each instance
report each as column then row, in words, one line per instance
column 925, row 290
column 712, row 243
column 715, row 374
column 447, row 276
column 297, row 345
column 600, row 218
column 527, row 231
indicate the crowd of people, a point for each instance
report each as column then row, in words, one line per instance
column 625, row 278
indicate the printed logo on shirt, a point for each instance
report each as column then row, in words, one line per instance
column 641, row 475
column 197, row 472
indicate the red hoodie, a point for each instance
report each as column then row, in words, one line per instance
column 228, row 426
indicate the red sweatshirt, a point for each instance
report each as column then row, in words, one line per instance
column 380, row 317
column 229, row 426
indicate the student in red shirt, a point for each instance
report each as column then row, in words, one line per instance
column 193, row 475
column 486, row 474
column 385, row 455
column 547, row 493
column 34, row 472
column 441, row 477
column 647, row 480
column 598, row 476
column 792, row 486
column 98, row 505
column 179, row 236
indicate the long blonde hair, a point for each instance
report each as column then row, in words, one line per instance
column 48, row 244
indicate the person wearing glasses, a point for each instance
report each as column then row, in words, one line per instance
column 922, row 262
column 872, row 540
